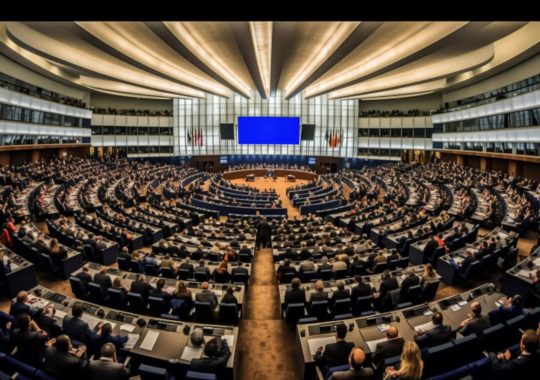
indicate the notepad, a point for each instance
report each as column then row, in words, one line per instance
column 229, row 339
column 383, row 327
column 191, row 353
column 455, row 307
column 428, row 312
column 372, row 344
column 462, row 303
column 92, row 321
column 424, row 327
column 536, row 262
column 315, row 343
column 150, row 340
column 132, row 340
column 526, row 273
column 127, row 327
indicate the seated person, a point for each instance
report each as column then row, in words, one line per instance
column 522, row 366
column 295, row 294
column 75, row 327
column 141, row 287
column 229, row 296
column 362, row 289
column 439, row 334
column 393, row 346
column 5, row 264
column 187, row 266
column 388, row 283
column 334, row 354
column 221, row 273
column 103, row 279
column 84, row 276
column 207, row 296
column 475, row 323
column 30, row 340
column 22, row 305
column 356, row 370
column 214, row 359
column 104, row 335
column 107, row 366
column 429, row 274
column 340, row 293
column 167, row 263
column 118, row 284
column 57, row 251
column 319, row 294
column 512, row 307
column 65, row 361
column 160, row 292
column 411, row 280
column 202, row 270
column 411, row 366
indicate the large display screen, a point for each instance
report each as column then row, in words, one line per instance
column 268, row 130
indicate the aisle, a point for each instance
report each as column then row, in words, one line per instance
column 266, row 344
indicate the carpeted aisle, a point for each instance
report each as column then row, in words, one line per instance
column 266, row 347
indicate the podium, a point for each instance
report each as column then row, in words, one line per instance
column 250, row 177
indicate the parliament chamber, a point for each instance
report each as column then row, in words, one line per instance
column 191, row 200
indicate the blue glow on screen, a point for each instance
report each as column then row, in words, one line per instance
column 311, row 161
column 268, row 130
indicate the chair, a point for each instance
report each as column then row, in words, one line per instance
column 148, row 372
column 137, row 304
column 123, row 264
column 471, row 271
column 393, row 265
column 151, row 270
column 339, row 317
column 413, row 294
column 338, row 368
column 97, row 294
column 380, row 267
column 455, row 374
column 342, row 306
column 293, row 312
column 307, row 320
column 491, row 338
column 157, row 306
column 78, row 288
column 308, row 276
column 363, row 304
column 203, row 312
column 117, row 298
column 287, row 277
column 50, row 265
column 168, row 273
column 201, row 276
column 439, row 359
column 466, row 349
column 170, row 317
column 229, row 313
column 240, row 277
column 244, row 258
column 192, row 375
column 319, row 309
column 184, row 274
column 136, row 266
column 326, row 274
column 341, row 273
column 430, row 290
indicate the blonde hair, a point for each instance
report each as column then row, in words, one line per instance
column 412, row 365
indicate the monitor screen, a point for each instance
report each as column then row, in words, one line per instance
column 268, row 130
column 308, row 132
column 311, row 161
column 223, row 160
column 226, row 131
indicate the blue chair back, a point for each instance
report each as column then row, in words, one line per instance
column 117, row 298
column 228, row 313
column 294, row 312
column 137, row 303
column 148, row 372
column 78, row 288
column 192, row 375
column 203, row 312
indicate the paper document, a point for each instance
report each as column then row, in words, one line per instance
column 462, row 303
column 150, row 340
column 424, row 327
column 536, row 262
column 455, row 307
column 191, row 353
column 132, row 340
column 427, row 313
column 372, row 344
column 39, row 303
column 383, row 327
column 126, row 327
column 315, row 343
column 60, row 314
column 526, row 273
column 92, row 321
column 229, row 339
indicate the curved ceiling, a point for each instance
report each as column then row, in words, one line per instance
column 366, row 60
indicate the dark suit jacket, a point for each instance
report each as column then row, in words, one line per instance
column 438, row 335
column 76, row 329
column 408, row 282
column 207, row 296
column 84, row 277
column 318, row 296
column 107, row 370
column 18, row 308
column 141, row 287
column 295, row 296
column 388, row 349
column 104, row 280
column 214, row 364
column 360, row 290
column 334, row 354
column 466, row 262
column 63, row 364
column 30, row 346
column 519, row 367
column 476, row 326
column 390, row 283
column 339, row 295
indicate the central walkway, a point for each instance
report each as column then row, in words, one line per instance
column 267, row 346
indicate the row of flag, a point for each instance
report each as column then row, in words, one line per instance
column 334, row 137
column 195, row 137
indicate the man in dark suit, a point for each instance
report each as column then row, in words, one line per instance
column 469, row 259
column 430, row 247
column 411, row 280
column 324, row 265
column 239, row 270
column 75, row 327
column 124, row 253
column 319, row 294
column 388, row 283
column 141, row 287
column 64, row 360
column 356, row 370
column 20, row 305
column 388, row 349
column 334, row 354
column 439, row 334
column 107, row 366
column 476, row 322
column 339, row 294
column 296, row 294
column 523, row 366
column 214, row 360
column 84, row 276
column 263, row 237
column 202, row 269
column 362, row 289
column 103, row 279
column 186, row 265
column 30, row 340
column 207, row 296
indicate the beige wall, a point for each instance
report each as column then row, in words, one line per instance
column 423, row 103
column 524, row 70
column 119, row 102
column 22, row 73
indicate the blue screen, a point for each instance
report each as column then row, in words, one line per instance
column 268, row 130
column 223, row 159
column 311, row 161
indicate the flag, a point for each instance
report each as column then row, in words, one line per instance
column 189, row 139
column 333, row 138
column 327, row 136
column 340, row 137
column 200, row 137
